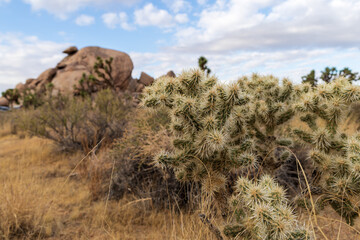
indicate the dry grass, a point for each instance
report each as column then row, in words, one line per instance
column 35, row 203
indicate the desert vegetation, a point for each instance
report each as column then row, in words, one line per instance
column 257, row 158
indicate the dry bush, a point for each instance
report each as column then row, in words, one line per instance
column 75, row 123
column 135, row 171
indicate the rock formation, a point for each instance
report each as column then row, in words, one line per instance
column 4, row 102
column 70, row 70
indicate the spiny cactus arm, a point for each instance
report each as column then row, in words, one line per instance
column 261, row 212
column 310, row 120
column 286, row 91
column 190, row 82
column 284, row 116
column 351, row 94
column 304, row 136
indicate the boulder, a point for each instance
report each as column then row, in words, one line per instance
column 32, row 84
column 72, row 67
column 29, row 81
column 133, row 85
column 171, row 74
column 20, row 87
column 146, row 79
column 139, row 87
column 45, row 78
column 71, row 50
column 4, row 102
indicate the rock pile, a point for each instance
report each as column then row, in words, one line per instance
column 70, row 70
column 65, row 76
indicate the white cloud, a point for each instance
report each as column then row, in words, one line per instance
column 178, row 5
column 112, row 20
column 230, row 25
column 181, row 18
column 201, row 2
column 84, row 20
column 25, row 57
column 281, row 63
column 61, row 8
column 152, row 16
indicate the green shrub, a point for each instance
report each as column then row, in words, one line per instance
column 31, row 99
column 78, row 123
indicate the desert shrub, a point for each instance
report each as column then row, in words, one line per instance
column 77, row 123
column 136, row 173
column 31, row 99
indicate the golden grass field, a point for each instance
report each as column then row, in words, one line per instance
column 42, row 196
column 37, row 201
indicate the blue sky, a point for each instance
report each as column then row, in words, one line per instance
column 286, row 38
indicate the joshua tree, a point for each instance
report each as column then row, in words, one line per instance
column 329, row 75
column 310, row 78
column 202, row 65
column 103, row 79
column 347, row 73
column 12, row 95
column 31, row 99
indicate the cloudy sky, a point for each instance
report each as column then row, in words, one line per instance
column 286, row 38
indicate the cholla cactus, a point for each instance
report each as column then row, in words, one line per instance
column 260, row 212
column 335, row 154
column 218, row 128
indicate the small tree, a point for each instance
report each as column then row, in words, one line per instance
column 12, row 95
column 99, row 78
column 329, row 75
column 310, row 78
column 202, row 65
column 348, row 74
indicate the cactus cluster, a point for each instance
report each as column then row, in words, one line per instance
column 244, row 127
column 218, row 128
column 260, row 211
column 335, row 154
